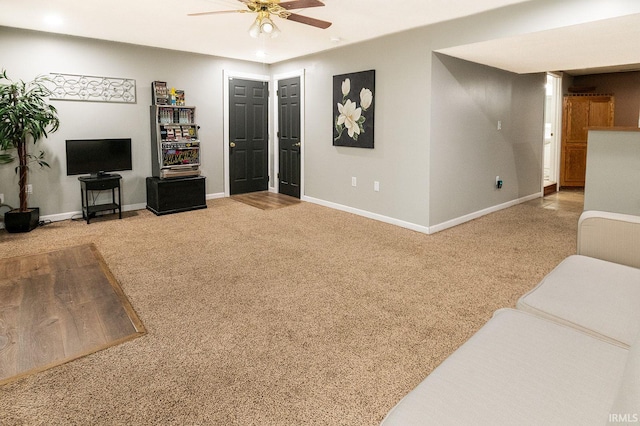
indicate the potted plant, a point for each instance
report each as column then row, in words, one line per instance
column 25, row 118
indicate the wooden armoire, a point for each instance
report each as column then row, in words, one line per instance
column 578, row 114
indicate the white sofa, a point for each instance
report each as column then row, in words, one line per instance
column 568, row 355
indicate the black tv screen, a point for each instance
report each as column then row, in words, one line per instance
column 98, row 156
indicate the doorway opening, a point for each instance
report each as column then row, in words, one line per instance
column 551, row 146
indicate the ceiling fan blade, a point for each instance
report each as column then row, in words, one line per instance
column 309, row 21
column 219, row 12
column 300, row 4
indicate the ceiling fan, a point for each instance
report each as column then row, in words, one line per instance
column 266, row 8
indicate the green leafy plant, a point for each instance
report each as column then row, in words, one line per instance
column 25, row 118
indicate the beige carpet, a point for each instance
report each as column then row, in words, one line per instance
column 303, row 315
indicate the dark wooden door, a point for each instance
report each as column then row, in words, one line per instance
column 289, row 136
column 248, row 136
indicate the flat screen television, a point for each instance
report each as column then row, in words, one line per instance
column 98, row 156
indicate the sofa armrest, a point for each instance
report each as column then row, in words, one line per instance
column 614, row 237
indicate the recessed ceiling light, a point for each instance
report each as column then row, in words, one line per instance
column 53, row 20
column 336, row 39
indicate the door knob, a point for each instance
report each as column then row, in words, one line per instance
column 232, row 144
column 297, row 144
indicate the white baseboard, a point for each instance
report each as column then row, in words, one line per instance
column 468, row 217
column 215, row 196
column 69, row 215
column 126, row 208
column 375, row 216
column 129, row 207
column 367, row 214
column 420, row 228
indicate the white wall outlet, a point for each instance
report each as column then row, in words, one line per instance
column 29, row 189
column 376, row 186
column 499, row 125
column 354, row 181
column 1, row 198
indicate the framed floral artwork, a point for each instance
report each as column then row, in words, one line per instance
column 353, row 109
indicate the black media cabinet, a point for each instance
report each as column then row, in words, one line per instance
column 100, row 183
column 175, row 195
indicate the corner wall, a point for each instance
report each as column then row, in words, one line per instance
column 485, row 123
column 417, row 188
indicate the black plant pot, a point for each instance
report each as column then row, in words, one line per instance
column 17, row 221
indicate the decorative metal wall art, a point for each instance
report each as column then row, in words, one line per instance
column 353, row 109
column 71, row 87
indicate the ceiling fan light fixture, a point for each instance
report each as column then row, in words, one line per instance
column 266, row 27
column 263, row 25
column 264, row 9
column 254, row 29
column 269, row 27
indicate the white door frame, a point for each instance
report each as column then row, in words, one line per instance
column 557, row 132
column 228, row 75
column 276, row 144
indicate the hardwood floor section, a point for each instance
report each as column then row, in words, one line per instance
column 266, row 200
column 568, row 200
column 59, row 306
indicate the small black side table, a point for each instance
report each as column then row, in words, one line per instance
column 100, row 183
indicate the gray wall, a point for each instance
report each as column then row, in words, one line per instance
column 468, row 150
column 613, row 172
column 414, row 161
column 413, row 169
column 401, row 136
column 26, row 54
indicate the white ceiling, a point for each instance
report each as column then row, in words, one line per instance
column 165, row 24
column 608, row 45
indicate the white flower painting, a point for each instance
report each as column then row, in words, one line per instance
column 350, row 117
column 353, row 96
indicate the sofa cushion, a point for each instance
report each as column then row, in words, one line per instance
column 610, row 236
column 626, row 406
column 518, row 369
column 594, row 295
